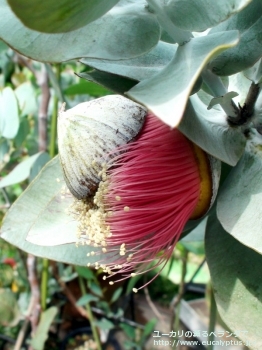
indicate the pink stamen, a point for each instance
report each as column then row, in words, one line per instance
column 157, row 178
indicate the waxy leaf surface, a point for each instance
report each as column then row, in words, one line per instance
column 210, row 131
column 254, row 73
column 200, row 15
column 9, row 117
column 59, row 16
column 42, row 332
column 26, row 96
column 174, row 33
column 167, row 92
column 239, row 202
column 10, row 313
column 23, row 170
column 240, row 84
column 237, row 282
column 138, row 68
column 249, row 24
column 128, row 23
column 42, row 219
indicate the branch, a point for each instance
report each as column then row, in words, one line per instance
column 247, row 111
column 152, row 305
column 24, row 61
column 35, row 293
column 42, row 80
column 69, row 295
column 176, row 301
column 23, row 330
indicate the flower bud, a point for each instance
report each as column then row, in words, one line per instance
column 88, row 132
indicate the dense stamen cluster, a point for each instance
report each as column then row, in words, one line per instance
column 146, row 195
column 92, row 217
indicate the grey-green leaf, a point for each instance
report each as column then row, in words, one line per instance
column 26, row 96
column 41, row 334
column 239, row 83
column 127, row 30
column 176, row 34
column 86, row 299
column 210, row 131
column 3, row 46
column 236, row 278
column 239, row 202
column 41, row 212
column 54, row 81
column 138, row 68
column 104, row 324
column 38, row 165
column 9, row 309
column 85, row 272
column 200, row 15
column 222, row 99
column 249, row 24
column 5, row 151
column 9, row 118
column 197, row 234
column 23, row 131
column 254, row 73
column 22, row 171
column 59, row 16
column 167, row 92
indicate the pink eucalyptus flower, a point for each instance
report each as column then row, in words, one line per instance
column 149, row 188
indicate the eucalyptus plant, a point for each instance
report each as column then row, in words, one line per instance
column 196, row 65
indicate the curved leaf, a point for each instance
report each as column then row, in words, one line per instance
column 38, row 165
column 23, row 131
column 173, row 32
column 26, row 96
column 54, row 81
column 197, row 234
column 236, row 278
column 9, row 118
column 41, row 334
column 127, row 30
column 167, row 92
column 86, row 87
column 210, row 131
column 22, row 171
column 59, row 16
column 113, row 82
column 249, row 24
column 9, row 308
column 239, row 202
column 3, row 46
column 138, row 68
column 86, row 299
column 5, row 152
column 254, row 73
column 200, row 15
column 44, row 219
column 239, row 83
